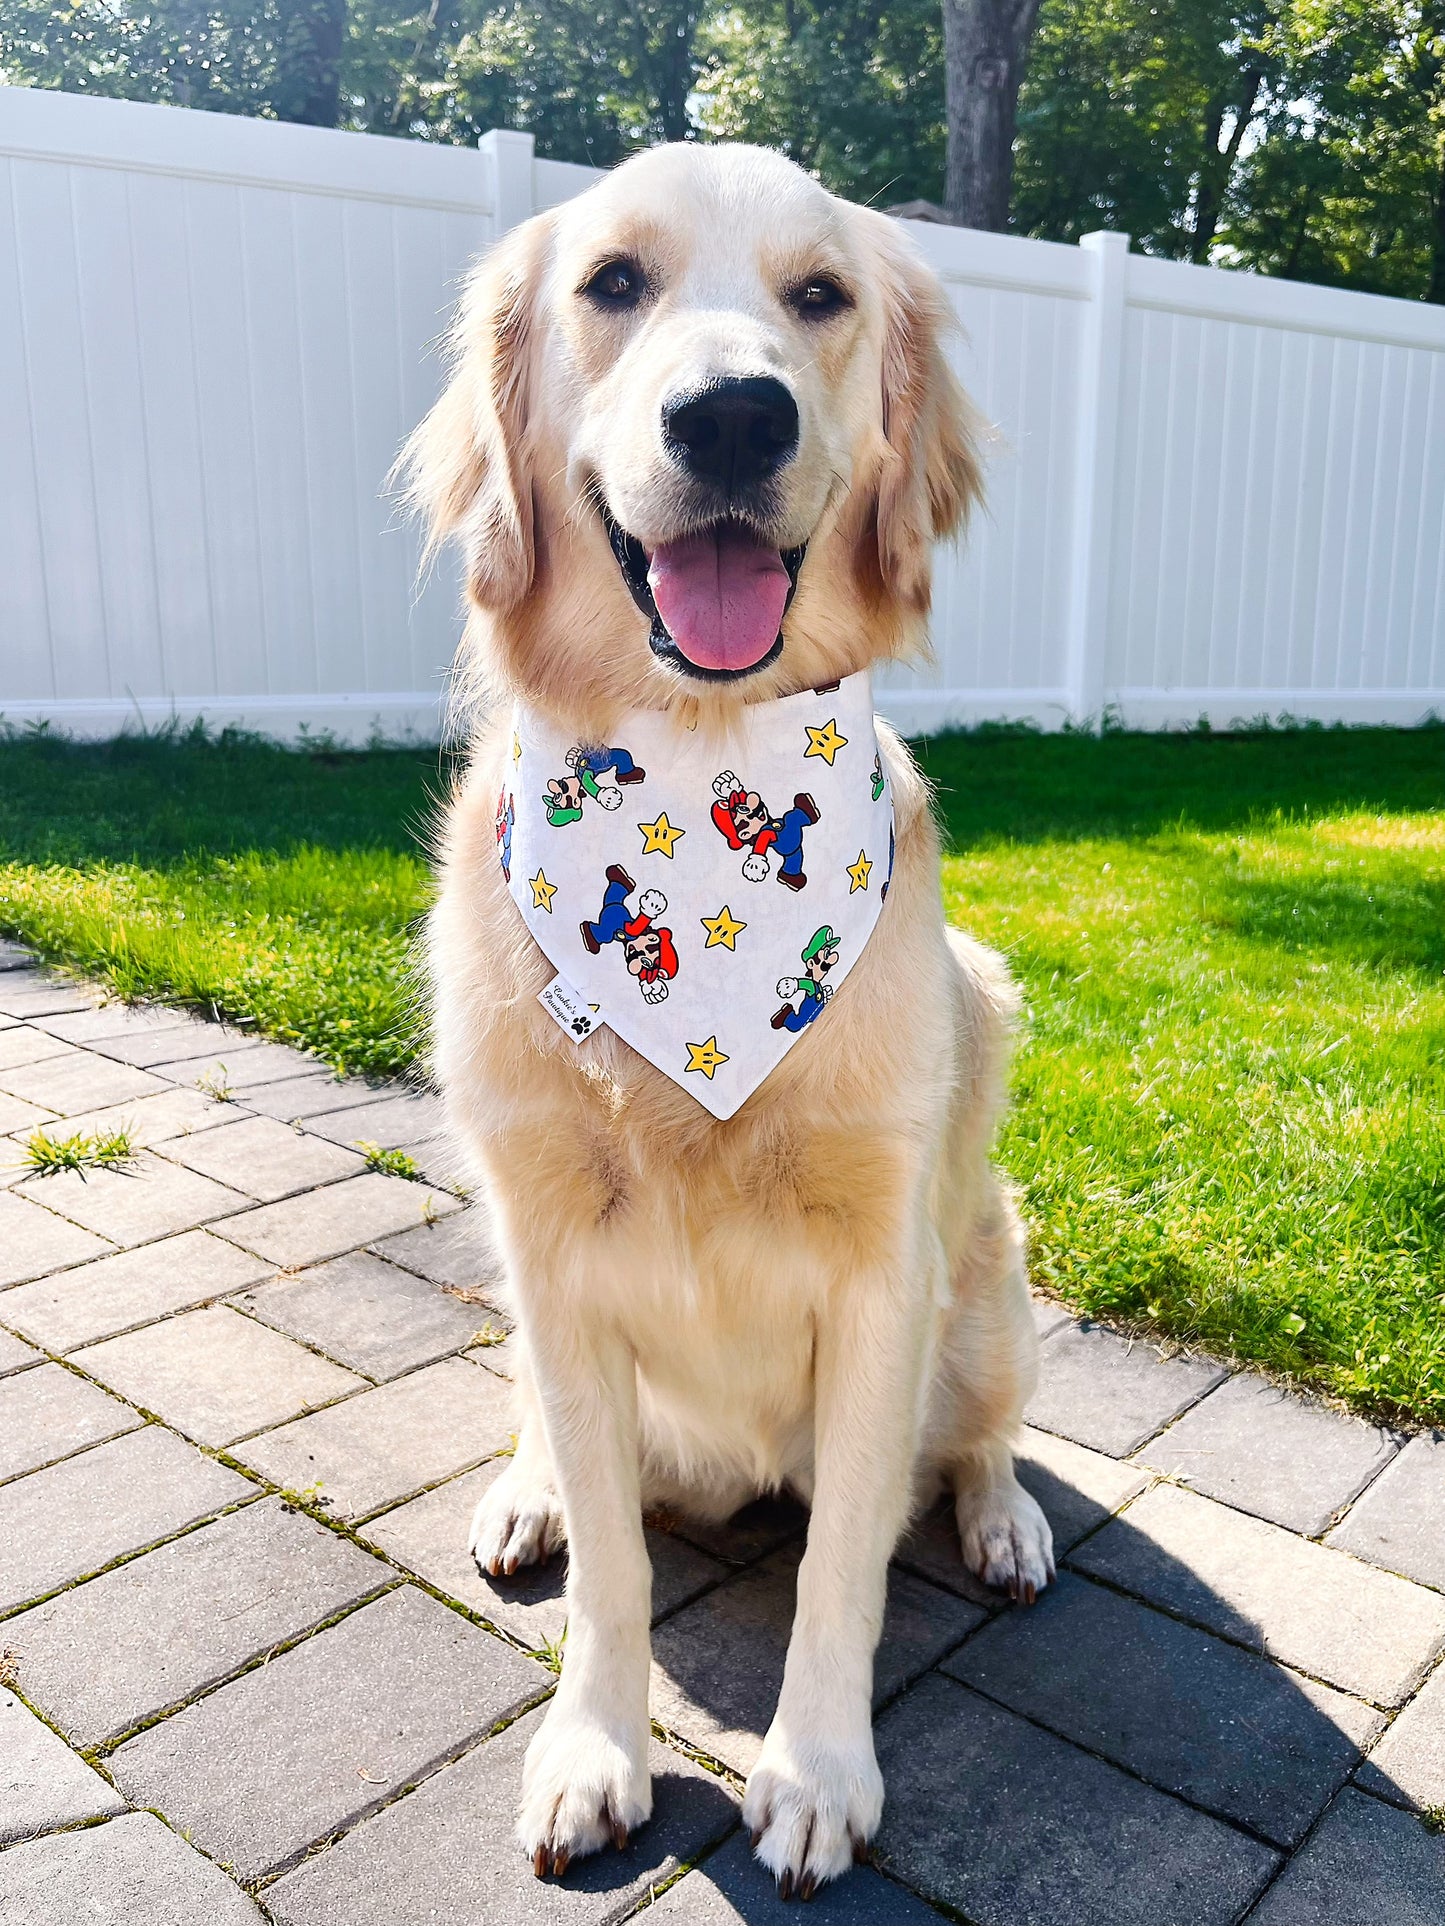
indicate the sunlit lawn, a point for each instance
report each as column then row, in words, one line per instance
column 1230, row 1093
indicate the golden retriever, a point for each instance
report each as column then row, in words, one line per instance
column 825, row 1292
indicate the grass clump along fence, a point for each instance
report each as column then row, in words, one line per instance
column 1229, row 1092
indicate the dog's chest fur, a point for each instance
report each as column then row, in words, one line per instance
column 712, row 1247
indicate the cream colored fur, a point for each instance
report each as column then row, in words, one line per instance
column 827, row 1291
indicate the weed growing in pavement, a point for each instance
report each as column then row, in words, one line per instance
column 394, row 1163
column 47, row 1156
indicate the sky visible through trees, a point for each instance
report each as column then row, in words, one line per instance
column 1295, row 137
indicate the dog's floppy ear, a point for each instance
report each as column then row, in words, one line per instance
column 930, row 474
column 467, row 469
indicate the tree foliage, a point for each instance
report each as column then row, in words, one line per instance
column 1300, row 137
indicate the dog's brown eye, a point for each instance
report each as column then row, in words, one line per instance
column 617, row 284
column 818, row 297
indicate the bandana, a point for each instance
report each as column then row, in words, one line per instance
column 703, row 900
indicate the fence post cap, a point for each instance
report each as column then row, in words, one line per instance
column 1104, row 240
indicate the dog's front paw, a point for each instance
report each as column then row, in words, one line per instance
column 583, row 1787
column 811, row 1807
column 518, row 1522
column 1005, row 1540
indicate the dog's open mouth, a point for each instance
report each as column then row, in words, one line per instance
column 715, row 600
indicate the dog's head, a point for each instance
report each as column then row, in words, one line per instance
column 700, row 431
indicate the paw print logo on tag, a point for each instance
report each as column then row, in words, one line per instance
column 569, row 1009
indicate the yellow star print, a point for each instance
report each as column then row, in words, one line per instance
column 860, row 872
column 659, row 836
column 723, row 928
column 516, row 748
column 705, row 1057
column 824, row 742
column 542, row 891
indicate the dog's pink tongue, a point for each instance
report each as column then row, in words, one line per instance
column 721, row 595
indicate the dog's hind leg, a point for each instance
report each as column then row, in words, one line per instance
column 518, row 1520
column 987, row 1367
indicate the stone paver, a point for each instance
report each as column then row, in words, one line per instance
column 265, row 1159
column 447, row 1852
column 1014, row 1827
column 1220, row 1726
column 732, row 1889
column 1363, row 1630
column 328, row 1223
column 1048, row 1316
column 245, row 1061
column 385, row 1444
column 132, row 1287
column 102, row 1657
column 455, row 1250
column 1281, row 1458
column 1112, row 1392
column 148, row 1199
column 115, row 1019
column 34, row 1240
column 70, row 1084
column 79, row 1515
column 718, row 1664
column 42, row 1782
column 389, row 1120
column 284, row 1755
column 15, row 1356
column 19, row 1119
column 28, row 993
column 161, row 1048
column 149, row 1121
column 367, row 1314
column 1408, row 1765
column 22, row 1044
column 429, row 1537
column 1368, row 1864
column 1400, row 1521
column 311, row 1095
column 128, row 1871
column 49, row 1413
column 215, row 1375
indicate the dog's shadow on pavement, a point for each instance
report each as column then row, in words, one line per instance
column 1152, row 1741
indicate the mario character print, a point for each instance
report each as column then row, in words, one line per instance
column 647, row 948
column 601, row 774
column 745, row 820
column 506, row 823
column 876, row 777
column 818, row 959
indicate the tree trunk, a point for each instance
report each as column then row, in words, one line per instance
column 1218, row 165
column 308, row 81
column 985, row 50
column 1436, row 290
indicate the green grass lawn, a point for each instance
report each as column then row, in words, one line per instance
column 1229, row 1115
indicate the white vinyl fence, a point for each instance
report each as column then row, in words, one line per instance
column 1213, row 494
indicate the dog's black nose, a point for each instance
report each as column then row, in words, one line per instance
column 734, row 432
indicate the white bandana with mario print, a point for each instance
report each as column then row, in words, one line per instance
column 703, row 901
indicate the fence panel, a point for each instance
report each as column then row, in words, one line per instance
column 1209, row 494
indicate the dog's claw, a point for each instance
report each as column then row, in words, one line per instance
column 1031, row 1592
column 560, row 1862
column 861, row 1854
column 807, row 1887
column 539, row 1862
column 785, row 1883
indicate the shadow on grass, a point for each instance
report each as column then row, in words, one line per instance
column 1034, row 788
column 1388, row 922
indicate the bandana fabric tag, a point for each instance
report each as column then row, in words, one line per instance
column 704, row 900
column 569, row 1009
